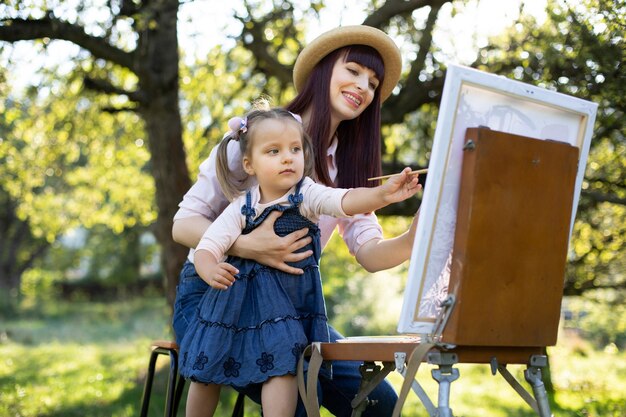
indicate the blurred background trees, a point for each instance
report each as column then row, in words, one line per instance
column 97, row 148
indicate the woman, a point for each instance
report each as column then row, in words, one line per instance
column 342, row 77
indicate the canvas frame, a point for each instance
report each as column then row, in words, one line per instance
column 473, row 98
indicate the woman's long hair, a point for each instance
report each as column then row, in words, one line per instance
column 359, row 150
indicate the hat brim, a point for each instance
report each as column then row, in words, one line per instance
column 342, row 36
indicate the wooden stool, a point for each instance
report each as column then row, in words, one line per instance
column 176, row 383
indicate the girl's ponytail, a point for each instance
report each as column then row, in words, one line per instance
column 229, row 185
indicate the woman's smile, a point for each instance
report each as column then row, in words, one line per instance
column 355, row 99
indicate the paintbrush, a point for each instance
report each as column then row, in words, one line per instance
column 419, row 171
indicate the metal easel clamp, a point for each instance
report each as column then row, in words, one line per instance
column 539, row 403
column 444, row 375
column 532, row 374
column 400, row 358
column 441, row 320
column 371, row 376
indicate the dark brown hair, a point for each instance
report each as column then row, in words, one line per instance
column 359, row 150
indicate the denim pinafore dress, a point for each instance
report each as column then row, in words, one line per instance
column 258, row 327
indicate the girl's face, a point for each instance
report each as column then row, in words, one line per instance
column 352, row 88
column 275, row 156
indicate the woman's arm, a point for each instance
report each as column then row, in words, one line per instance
column 379, row 254
column 188, row 231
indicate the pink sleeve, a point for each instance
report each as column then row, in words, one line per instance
column 358, row 230
column 223, row 232
column 320, row 199
column 205, row 197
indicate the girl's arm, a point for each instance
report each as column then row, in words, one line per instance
column 219, row 275
column 365, row 200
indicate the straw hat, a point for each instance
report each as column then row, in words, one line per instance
column 350, row 35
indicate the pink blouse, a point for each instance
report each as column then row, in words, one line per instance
column 205, row 198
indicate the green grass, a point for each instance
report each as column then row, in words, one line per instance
column 89, row 359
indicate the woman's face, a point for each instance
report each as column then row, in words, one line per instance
column 352, row 88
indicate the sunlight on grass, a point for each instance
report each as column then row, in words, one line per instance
column 79, row 359
column 90, row 359
column 67, row 378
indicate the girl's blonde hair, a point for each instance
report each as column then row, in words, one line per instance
column 244, row 134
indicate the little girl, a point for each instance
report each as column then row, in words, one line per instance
column 254, row 321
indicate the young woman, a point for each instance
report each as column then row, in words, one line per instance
column 255, row 321
column 341, row 77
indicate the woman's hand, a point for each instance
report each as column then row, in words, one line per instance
column 269, row 249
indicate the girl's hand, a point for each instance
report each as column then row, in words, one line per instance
column 400, row 187
column 269, row 249
column 222, row 276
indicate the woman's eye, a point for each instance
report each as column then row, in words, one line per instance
column 373, row 86
column 353, row 71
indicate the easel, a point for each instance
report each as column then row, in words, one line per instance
column 506, row 280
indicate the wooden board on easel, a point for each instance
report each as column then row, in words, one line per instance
column 510, row 247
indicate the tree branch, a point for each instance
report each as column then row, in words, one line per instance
column 392, row 8
column 13, row 30
column 601, row 197
column 415, row 93
column 104, row 86
column 253, row 38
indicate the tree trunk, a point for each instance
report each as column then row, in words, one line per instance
column 157, row 67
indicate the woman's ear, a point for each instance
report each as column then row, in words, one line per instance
column 247, row 165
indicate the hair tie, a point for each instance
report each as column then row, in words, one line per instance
column 297, row 117
column 237, row 124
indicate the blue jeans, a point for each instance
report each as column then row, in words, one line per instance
column 334, row 394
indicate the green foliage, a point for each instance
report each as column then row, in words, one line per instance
column 360, row 303
column 601, row 320
column 65, row 164
column 580, row 50
column 212, row 92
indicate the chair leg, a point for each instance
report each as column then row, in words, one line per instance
column 180, row 387
column 170, row 411
column 147, row 390
column 176, row 383
column 238, row 410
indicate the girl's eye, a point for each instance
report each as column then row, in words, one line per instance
column 272, row 151
column 296, row 149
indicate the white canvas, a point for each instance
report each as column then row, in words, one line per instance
column 473, row 98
